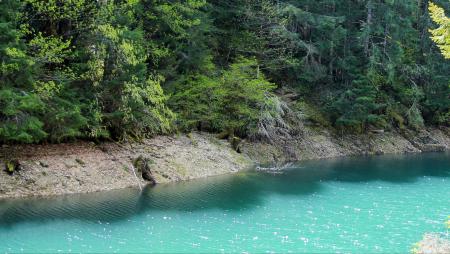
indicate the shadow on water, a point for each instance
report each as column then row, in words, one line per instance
column 233, row 193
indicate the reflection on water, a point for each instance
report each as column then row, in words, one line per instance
column 235, row 192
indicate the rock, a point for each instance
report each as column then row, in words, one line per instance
column 43, row 164
column 292, row 96
column 142, row 165
column 81, row 162
column 223, row 135
column 432, row 244
column 379, row 152
column 103, row 149
column 148, row 176
column 236, row 144
column 426, row 139
column 378, row 131
column 433, row 148
column 69, row 165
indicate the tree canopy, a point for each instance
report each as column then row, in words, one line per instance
column 128, row 69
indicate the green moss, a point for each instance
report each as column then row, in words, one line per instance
column 10, row 167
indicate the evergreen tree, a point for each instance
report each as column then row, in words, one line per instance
column 20, row 108
column 441, row 35
column 131, row 102
column 133, row 68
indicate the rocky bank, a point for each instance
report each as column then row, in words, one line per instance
column 87, row 167
column 432, row 244
column 318, row 143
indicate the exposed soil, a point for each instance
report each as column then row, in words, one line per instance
column 86, row 167
column 317, row 143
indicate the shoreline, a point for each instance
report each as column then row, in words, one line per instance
column 84, row 167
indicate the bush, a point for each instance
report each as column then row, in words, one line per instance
column 19, row 117
column 196, row 103
column 239, row 101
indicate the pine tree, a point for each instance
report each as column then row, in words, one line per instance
column 131, row 102
column 20, row 109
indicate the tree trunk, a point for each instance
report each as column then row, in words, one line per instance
column 368, row 24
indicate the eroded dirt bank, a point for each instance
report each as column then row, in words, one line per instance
column 316, row 143
column 87, row 167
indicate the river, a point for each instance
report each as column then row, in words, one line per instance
column 348, row 205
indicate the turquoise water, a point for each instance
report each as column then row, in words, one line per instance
column 356, row 205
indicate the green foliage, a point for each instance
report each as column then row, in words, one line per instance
column 441, row 35
column 15, row 64
column 335, row 56
column 312, row 113
column 234, row 102
column 12, row 166
column 132, row 102
column 19, row 117
column 197, row 102
column 20, row 109
column 357, row 107
column 82, row 68
column 9, row 167
column 103, row 69
column 244, row 91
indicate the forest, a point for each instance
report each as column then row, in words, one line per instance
column 130, row 69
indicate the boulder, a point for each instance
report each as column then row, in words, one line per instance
column 81, row 162
column 236, row 144
column 143, row 166
column 379, row 152
column 43, row 164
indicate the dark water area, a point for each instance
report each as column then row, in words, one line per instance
column 365, row 204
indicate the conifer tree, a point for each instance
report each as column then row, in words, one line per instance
column 441, row 35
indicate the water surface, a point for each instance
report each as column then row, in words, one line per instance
column 354, row 205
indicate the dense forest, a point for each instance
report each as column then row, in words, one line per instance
column 127, row 69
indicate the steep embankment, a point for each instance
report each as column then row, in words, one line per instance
column 306, row 136
column 313, row 143
column 86, row 167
